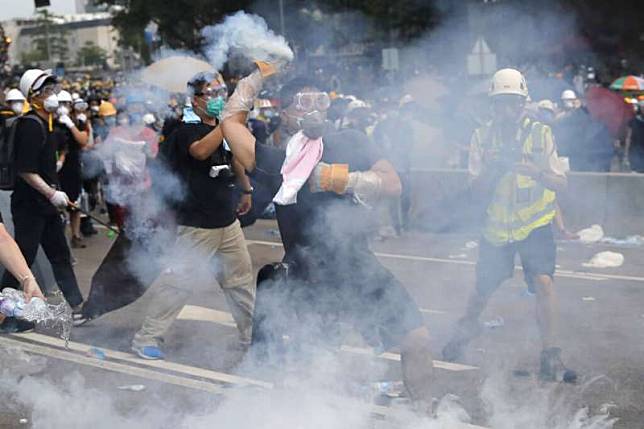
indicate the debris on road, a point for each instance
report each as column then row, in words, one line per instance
column 23, row 421
column 588, row 298
column 605, row 260
column 497, row 322
column 132, row 387
column 391, row 389
column 591, row 235
column 630, row 241
column 471, row 245
column 97, row 353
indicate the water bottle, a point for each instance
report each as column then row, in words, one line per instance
column 12, row 304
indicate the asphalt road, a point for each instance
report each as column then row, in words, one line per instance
column 601, row 335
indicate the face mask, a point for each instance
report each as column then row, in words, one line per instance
column 215, row 107
column 62, row 111
column 80, row 107
column 51, row 103
column 313, row 124
column 94, row 109
column 17, row 107
column 110, row 121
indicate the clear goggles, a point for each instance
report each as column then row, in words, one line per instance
column 210, row 92
column 309, row 101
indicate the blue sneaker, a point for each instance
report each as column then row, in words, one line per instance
column 149, row 352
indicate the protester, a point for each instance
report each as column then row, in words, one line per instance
column 515, row 169
column 74, row 132
column 36, row 200
column 634, row 146
column 207, row 225
column 16, row 101
column 323, row 217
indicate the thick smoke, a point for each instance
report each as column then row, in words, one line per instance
column 247, row 35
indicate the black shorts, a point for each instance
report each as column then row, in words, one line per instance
column 496, row 263
column 356, row 289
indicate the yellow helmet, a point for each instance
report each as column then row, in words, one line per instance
column 106, row 109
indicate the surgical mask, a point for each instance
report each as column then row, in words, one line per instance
column 94, row 109
column 51, row 103
column 314, row 124
column 215, row 106
column 17, row 107
column 62, row 111
column 110, row 121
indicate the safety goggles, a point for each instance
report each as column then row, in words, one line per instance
column 209, row 92
column 48, row 90
column 309, row 101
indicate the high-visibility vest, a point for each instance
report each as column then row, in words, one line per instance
column 520, row 204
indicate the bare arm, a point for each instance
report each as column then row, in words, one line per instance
column 246, row 200
column 81, row 137
column 11, row 258
column 35, row 181
column 240, row 140
column 203, row 148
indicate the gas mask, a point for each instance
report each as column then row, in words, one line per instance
column 313, row 124
column 62, row 111
column 51, row 103
column 17, row 107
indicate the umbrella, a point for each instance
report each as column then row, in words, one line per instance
column 628, row 83
column 174, row 72
column 608, row 108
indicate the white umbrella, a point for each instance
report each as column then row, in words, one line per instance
column 173, row 73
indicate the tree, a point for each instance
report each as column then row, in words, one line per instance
column 49, row 42
column 91, row 55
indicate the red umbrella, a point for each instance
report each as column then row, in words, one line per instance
column 608, row 108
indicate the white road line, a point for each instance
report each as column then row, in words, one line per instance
column 562, row 273
column 114, row 366
column 149, row 374
column 219, row 377
column 223, row 318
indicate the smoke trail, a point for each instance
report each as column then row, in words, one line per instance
column 247, row 35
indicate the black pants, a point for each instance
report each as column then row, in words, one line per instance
column 30, row 231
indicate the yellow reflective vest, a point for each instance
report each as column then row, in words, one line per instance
column 519, row 204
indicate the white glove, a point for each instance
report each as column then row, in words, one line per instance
column 243, row 98
column 59, row 199
column 366, row 187
column 81, row 117
column 59, row 166
column 66, row 121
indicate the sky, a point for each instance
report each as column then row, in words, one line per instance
column 25, row 8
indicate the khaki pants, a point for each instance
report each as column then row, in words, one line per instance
column 219, row 251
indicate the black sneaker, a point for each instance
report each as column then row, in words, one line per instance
column 11, row 325
column 552, row 367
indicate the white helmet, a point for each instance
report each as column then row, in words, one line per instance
column 546, row 105
column 14, row 95
column 33, row 80
column 64, row 97
column 568, row 94
column 149, row 119
column 508, row 81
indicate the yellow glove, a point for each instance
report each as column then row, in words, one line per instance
column 329, row 178
column 266, row 69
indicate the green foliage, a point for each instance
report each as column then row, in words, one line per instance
column 91, row 55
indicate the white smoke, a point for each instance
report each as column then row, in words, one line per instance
column 247, row 35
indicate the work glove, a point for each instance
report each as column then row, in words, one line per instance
column 365, row 186
column 59, row 199
column 81, row 117
column 66, row 121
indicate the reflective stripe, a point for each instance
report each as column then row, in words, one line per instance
column 520, row 204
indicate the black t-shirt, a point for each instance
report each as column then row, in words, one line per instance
column 34, row 155
column 209, row 202
column 324, row 223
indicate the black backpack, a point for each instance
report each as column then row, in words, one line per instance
column 7, row 150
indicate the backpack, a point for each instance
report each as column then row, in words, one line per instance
column 7, row 150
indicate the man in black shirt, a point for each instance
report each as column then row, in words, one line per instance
column 209, row 236
column 36, row 200
column 332, row 273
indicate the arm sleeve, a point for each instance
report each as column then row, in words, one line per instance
column 28, row 143
column 268, row 160
column 552, row 163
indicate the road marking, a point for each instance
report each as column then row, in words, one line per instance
column 204, row 314
column 114, row 366
column 583, row 275
column 219, row 377
column 149, row 374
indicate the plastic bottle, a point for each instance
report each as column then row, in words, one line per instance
column 12, row 304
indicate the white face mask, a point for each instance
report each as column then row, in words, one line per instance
column 62, row 111
column 51, row 103
column 17, row 107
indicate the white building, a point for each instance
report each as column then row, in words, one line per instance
column 80, row 29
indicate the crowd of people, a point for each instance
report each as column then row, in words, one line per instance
column 179, row 179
